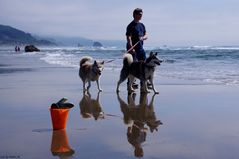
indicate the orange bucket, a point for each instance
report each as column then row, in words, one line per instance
column 59, row 118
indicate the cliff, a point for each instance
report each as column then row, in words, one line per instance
column 13, row 36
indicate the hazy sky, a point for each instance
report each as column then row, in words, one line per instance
column 168, row 22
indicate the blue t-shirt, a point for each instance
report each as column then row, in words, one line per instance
column 136, row 30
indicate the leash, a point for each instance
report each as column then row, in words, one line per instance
column 109, row 61
column 126, row 51
column 133, row 46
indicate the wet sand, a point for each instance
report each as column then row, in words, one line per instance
column 198, row 121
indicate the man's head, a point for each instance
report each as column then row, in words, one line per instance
column 138, row 12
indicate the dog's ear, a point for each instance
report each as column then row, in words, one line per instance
column 102, row 63
column 156, row 53
column 151, row 53
column 95, row 63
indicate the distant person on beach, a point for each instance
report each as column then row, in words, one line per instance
column 17, row 48
column 136, row 32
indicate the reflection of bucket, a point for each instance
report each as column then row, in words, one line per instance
column 59, row 118
column 60, row 145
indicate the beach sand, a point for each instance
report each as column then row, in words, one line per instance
column 199, row 121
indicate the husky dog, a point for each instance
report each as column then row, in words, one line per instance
column 90, row 72
column 142, row 70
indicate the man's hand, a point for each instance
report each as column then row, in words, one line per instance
column 132, row 51
column 142, row 38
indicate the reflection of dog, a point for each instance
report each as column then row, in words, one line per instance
column 91, row 107
column 141, row 70
column 90, row 72
column 143, row 112
column 136, row 116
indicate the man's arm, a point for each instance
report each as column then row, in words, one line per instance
column 129, row 43
column 145, row 37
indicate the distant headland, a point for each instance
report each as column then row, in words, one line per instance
column 13, row 36
column 10, row 36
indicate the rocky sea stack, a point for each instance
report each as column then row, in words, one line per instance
column 31, row 48
column 97, row 44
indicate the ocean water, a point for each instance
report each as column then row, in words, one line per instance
column 197, row 64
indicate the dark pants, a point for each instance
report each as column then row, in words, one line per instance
column 140, row 54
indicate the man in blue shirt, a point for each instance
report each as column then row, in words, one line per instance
column 136, row 33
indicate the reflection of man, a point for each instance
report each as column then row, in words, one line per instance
column 137, row 116
column 136, row 135
column 91, row 107
column 60, row 145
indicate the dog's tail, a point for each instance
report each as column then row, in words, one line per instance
column 84, row 60
column 127, row 59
